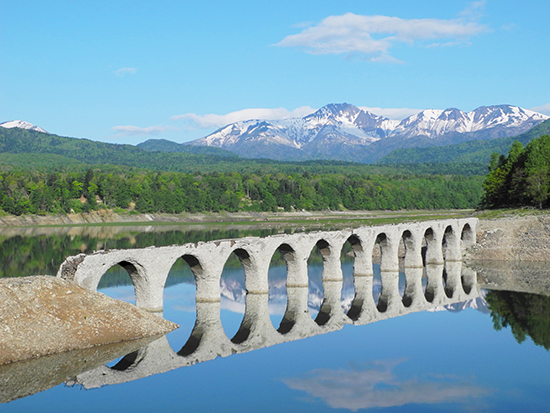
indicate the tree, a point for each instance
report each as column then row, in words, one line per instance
column 537, row 170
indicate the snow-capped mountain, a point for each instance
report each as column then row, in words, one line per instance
column 346, row 132
column 348, row 122
column 479, row 303
column 433, row 123
column 22, row 125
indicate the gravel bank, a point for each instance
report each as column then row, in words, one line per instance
column 44, row 315
column 512, row 239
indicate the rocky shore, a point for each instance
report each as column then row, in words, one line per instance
column 43, row 315
column 514, row 239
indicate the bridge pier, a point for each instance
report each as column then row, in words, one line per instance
column 434, row 248
column 363, row 309
column 256, row 328
column 453, row 272
column 434, row 288
column 412, row 240
column 413, row 296
column 390, row 299
column 208, row 339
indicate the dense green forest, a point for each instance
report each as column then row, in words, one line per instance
column 467, row 152
column 526, row 315
column 522, row 178
column 44, row 192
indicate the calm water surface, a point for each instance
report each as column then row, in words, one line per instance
column 447, row 359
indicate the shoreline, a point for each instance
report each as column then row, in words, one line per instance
column 110, row 217
column 502, row 235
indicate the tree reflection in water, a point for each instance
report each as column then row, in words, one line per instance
column 526, row 315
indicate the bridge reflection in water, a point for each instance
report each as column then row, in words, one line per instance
column 432, row 250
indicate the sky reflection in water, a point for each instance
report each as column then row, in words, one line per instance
column 428, row 361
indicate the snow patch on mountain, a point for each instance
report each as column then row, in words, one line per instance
column 478, row 303
column 22, row 125
column 335, row 125
column 434, row 123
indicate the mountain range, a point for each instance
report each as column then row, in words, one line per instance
column 348, row 133
column 343, row 132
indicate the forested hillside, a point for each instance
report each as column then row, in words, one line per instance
column 527, row 315
column 19, row 147
column 22, row 141
column 522, row 178
column 42, row 173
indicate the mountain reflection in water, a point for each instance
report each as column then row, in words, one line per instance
column 447, row 359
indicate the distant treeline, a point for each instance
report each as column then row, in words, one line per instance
column 34, row 192
column 522, row 178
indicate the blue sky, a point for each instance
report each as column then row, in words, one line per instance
column 128, row 71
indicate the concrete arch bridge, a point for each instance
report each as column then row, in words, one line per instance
column 424, row 243
column 209, row 341
column 430, row 250
column 429, row 242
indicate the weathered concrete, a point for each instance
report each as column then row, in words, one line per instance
column 149, row 267
column 44, row 315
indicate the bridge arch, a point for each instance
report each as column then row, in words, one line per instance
column 352, row 249
column 385, row 288
column 452, row 252
column 137, row 275
column 185, row 273
column 148, row 267
column 280, row 280
column 194, row 264
column 237, row 267
column 129, row 361
column 331, row 280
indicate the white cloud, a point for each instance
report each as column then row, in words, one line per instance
column 544, row 109
column 129, row 130
column 218, row 121
column 371, row 37
column 123, row 71
column 392, row 113
column 378, row 387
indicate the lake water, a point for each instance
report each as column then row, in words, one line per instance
column 446, row 359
